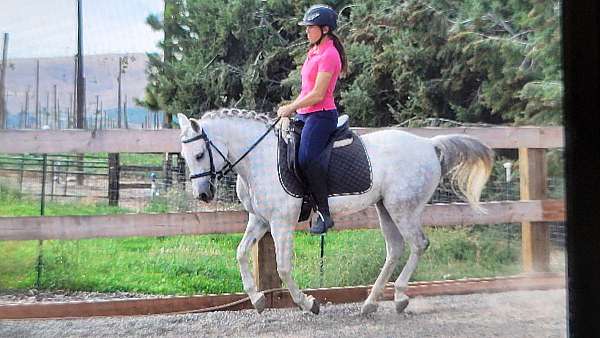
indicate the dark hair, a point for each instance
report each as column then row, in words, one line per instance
column 340, row 48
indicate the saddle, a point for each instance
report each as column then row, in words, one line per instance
column 345, row 157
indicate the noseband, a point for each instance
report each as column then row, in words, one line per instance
column 209, row 145
column 218, row 174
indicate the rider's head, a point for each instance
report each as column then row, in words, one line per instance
column 319, row 20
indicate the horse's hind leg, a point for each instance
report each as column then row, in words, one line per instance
column 255, row 230
column 284, row 250
column 409, row 225
column 394, row 246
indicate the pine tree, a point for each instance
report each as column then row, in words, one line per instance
column 493, row 61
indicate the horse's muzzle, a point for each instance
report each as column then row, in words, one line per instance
column 206, row 197
column 208, row 194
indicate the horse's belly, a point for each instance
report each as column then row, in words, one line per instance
column 345, row 205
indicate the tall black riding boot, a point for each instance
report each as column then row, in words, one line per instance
column 316, row 177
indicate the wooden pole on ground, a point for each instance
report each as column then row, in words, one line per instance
column 535, row 235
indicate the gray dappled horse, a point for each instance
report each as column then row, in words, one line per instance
column 406, row 169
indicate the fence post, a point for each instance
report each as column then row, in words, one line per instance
column 167, row 171
column 80, row 164
column 181, row 171
column 114, row 172
column 21, row 169
column 52, row 174
column 535, row 235
column 66, row 177
column 265, row 265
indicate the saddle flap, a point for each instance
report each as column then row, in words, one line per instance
column 349, row 170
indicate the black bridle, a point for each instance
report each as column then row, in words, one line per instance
column 218, row 174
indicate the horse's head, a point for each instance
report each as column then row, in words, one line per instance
column 205, row 157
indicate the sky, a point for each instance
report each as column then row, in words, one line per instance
column 48, row 28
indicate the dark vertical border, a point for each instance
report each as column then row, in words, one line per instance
column 581, row 63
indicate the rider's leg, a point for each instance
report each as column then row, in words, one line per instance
column 317, row 130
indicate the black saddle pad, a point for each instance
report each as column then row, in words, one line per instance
column 350, row 170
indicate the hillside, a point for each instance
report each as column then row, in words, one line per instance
column 101, row 80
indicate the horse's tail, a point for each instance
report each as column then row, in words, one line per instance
column 468, row 162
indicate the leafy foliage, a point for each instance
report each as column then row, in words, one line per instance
column 491, row 61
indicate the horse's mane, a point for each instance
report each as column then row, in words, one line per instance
column 238, row 113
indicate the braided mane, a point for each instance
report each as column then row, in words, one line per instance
column 238, row 113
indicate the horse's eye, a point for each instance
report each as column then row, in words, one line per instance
column 199, row 156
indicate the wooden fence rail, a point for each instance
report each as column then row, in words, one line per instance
column 162, row 141
column 533, row 211
column 222, row 222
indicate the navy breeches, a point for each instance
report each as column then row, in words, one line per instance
column 318, row 127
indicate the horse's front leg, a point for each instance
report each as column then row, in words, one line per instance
column 255, row 230
column 284, row 250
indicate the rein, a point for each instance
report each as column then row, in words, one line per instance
column 228, row 165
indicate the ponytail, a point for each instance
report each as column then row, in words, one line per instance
column 340, row 48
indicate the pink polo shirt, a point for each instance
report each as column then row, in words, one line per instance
column 324, row 58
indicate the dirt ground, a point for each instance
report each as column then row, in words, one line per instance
column 507, row 314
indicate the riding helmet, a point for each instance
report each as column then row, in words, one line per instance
column 320, row 15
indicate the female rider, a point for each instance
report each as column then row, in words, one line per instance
column 315, row 105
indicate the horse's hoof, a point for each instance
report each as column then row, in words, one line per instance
column 368, row 308
column 316, row 307
column 401, row 305
column 260, row 304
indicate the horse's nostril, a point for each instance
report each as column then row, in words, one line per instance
column 203, row 196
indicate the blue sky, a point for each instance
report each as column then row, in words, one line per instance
column 48, row 28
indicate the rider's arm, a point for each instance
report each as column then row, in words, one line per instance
column 316, row 95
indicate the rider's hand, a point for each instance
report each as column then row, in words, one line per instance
column 286, row 111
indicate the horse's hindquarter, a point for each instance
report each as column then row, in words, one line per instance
column 402, row 161
column 405, row 167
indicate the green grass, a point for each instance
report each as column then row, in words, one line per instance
column 14, row 204
column 141, row 159
column 174, row 265
column 206, row 264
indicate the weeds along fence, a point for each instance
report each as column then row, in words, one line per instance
column 123, row 219
column 145, row 182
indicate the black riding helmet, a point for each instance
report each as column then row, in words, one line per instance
column 320, row 15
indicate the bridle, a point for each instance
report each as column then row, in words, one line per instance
column 228, row 166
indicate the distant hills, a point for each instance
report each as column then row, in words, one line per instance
column 136, row 117
column 101, row 80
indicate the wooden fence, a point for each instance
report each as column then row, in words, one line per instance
column 533, row 211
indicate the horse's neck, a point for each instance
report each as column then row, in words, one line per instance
column 239, row 136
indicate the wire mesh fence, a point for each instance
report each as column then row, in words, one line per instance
column 85, row 185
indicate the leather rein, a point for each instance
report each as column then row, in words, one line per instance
column 218, row 174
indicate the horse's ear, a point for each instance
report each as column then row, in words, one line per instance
column 195, row 126
column 184, row 123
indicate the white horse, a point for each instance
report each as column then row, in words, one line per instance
column 406, row 171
